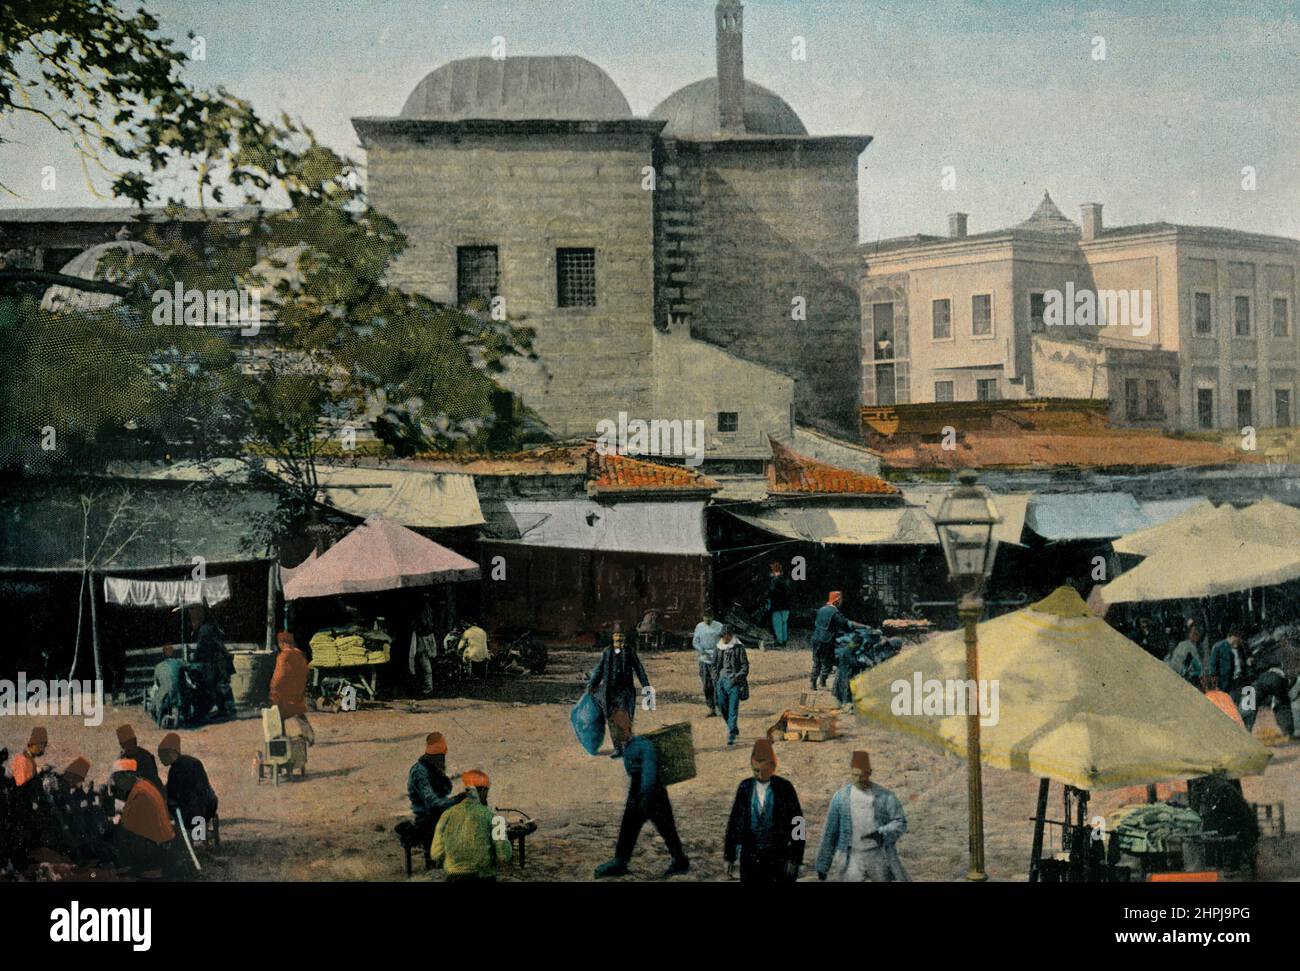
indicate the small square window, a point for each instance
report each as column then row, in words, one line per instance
column 575, row 277
column 728, row 421
column 981, row 314
column 986, row 389
column 943, row 391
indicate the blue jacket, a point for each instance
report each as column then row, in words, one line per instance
column 1221, row 665
column 830, row 623
column 837, row 836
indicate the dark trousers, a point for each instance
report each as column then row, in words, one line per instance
column 659, row 811
column 823, row 656
column 764, row 866
column 1271, row 686
column 709, row 682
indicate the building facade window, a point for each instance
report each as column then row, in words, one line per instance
column 981, row 315
column 943, row 391
column 1205, row 407
column 728, row 421
column 478, row 275
column 575, row 277
column 1241, row 315
column 882, row 331
column 1204, row 311
column 941, row 319
column 1245, row 414
column 1282, row 407
column 1132, row 399
column 1037, row 311
column 1281, row 317
column 886, row 393
column 986, row 389
column 1155, row 406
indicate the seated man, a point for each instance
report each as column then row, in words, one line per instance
column 188, row 788
column 473, row 648
column 25, row 767
column 144, row 833
column 146, row 767
column 429, row 790
column 464, row 840
column 167, row 698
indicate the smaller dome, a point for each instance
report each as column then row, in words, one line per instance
column 86, row 265
column 692, row 112
column 518, row 89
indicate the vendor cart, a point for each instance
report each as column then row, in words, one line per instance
column 335, row 673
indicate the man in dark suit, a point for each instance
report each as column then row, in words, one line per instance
column 766, row 827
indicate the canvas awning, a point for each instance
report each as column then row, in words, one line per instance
column 584, row 524
column 1076, row 701
column 429, row 500
column 1085, row 515
column 378, row 555
column 1230, row 551
column 846, row 525
column 1171, row 530
column 1011, row 506
column 130, row 592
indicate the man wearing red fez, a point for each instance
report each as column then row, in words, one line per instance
column 859, row 841
column 465, row 840
column 766, row 827
column 829, row 624
column 188, row 788
column 145, row 831
column 146, row 767
column 25, row 767
column 429, row 789
column 289, row 687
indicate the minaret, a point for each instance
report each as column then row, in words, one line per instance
column 730, row 16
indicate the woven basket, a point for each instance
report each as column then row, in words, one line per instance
column 675, row 748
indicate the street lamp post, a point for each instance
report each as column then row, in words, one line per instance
column 965, row 524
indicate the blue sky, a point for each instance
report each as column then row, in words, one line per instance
column 1008, row 94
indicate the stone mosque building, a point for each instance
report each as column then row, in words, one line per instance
column 699, row 263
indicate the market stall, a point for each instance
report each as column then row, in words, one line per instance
column 1076, row 702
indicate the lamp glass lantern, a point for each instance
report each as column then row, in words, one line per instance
column 965, row 524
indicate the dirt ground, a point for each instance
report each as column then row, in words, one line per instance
column 336, row 824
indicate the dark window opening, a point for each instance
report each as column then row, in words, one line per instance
column 575, row 277
column 478, row 275
column 1205, row 407
column 728, row 421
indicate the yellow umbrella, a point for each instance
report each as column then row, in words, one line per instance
column 1076, row 701
column 1172, row 531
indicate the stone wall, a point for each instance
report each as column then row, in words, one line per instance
column 743, row 228
column 529, row 193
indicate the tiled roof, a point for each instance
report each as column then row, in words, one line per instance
column 622, row 473
column 1112, row 449
column 604, row 473
column 791, row 472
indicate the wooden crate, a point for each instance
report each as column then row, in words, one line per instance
column 810, row 727
column 674, row 746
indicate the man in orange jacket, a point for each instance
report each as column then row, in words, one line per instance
column 25, row 763
column 289, row 686
column 145, row 832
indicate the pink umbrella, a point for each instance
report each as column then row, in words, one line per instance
column 378, row 555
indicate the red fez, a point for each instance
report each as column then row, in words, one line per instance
column 835, row 597
column 435, row 744
column 39, row 736
column 126, row 765
column 125, row 734
column 763, row 751
column 170, row 741
column 285, row 639
column 78, row 769
column 474, row 779
column 861, row 760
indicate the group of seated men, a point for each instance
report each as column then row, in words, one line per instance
column 59, row 817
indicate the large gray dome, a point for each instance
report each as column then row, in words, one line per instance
column 86, row 265
column 518, row 89
column 692, row 112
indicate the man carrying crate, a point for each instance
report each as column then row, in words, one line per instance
column 647, row 799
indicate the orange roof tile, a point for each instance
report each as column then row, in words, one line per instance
column 791, row 472
column 619, row 473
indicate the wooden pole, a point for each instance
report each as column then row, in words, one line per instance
column 94, row 628
column 1040, row 819
column 272, row 571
